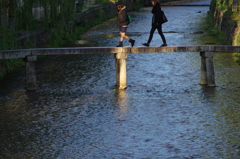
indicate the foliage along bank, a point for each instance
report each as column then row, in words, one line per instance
column 31, row 23
column 225, row 15
column 36, row 24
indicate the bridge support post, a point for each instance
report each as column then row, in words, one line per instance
column 207, row 69
column 31, row 79
column 203, row 78
column 121, row 70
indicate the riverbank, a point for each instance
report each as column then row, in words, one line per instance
column 56, row 37
column 227, row 20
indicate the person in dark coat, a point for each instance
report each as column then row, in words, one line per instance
column 123, row 24
column 156, row 23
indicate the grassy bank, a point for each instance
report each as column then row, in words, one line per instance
column 213, row 30
column 220, row 37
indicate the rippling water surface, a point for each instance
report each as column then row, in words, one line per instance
column 164, row 113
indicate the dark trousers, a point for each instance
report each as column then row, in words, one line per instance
column 159, row 28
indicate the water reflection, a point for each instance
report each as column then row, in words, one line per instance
column 208, row 92
column 121, row 99
column 17, row 100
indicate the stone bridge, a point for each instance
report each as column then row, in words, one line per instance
column 206, row 53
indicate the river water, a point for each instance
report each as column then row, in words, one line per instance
column 163, row 114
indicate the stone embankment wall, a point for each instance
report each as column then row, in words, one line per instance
column 226, row 24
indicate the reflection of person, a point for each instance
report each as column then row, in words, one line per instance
column 156, row 23
column 123, row 24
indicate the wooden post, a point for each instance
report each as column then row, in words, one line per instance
column 207, row 69
column 31, row 79
column 121, row 70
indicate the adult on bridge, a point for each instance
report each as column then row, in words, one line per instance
column 157, row 22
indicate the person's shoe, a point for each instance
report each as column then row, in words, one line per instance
column 120, row 44
column 145, row 44
column 165, row 44
column 132, row 42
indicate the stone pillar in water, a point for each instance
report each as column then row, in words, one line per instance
column 121, row 70
column 31, row 79
column 207, row 69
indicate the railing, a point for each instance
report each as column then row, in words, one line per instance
column 206, row 53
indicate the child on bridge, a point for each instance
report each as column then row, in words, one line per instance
column 123, row 22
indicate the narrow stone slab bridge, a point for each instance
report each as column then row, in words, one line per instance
column 206, row 53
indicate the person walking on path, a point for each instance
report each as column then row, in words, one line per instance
column 123, row 22
column 156, row 23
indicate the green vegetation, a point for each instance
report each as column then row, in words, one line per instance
column 101, row 1
column 59, row 40
column 8, row 42
column 55, row 18
column 7, row 39
column 213, row 29
column 104, row 1
column 231, row 8
column 7, row 66
column 226, row 5
column 139, row 5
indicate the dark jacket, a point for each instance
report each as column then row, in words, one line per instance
column 122, row 17
column 157, row 14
